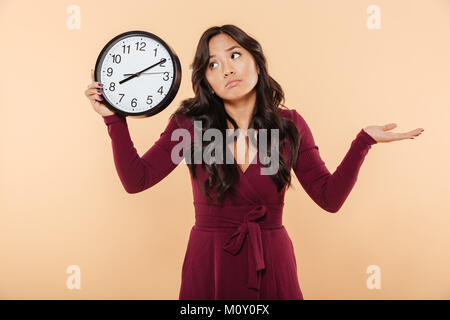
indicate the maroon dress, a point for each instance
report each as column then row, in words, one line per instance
column 240, row 250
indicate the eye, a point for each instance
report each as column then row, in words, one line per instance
column 210, row 65
column 236, row 52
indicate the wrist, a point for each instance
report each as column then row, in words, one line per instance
column 113, row 118
column 367, row 137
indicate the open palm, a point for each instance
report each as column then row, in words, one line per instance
column 382, row 134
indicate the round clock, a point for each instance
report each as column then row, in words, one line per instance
column 140, row 73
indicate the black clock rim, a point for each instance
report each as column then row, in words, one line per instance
column 173, row 90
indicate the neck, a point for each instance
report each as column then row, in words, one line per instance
column 241, row 110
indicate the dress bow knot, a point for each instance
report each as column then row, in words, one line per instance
column 255, row 249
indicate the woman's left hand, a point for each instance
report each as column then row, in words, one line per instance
column 381, row 134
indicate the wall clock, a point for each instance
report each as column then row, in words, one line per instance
column 140, row 72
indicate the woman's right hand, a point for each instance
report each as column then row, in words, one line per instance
column 94, row 92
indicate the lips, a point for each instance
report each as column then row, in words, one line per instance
column 232, row 82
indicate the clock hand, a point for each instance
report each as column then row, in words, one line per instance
column 128, row 74
column 137, row 74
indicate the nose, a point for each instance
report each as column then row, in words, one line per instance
column 228, row 73
column 227, row 70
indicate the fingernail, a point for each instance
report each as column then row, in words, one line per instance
column 99, row 91
column 100, row 84
column 101, row 98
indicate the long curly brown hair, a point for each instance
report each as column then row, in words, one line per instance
column 209, row 108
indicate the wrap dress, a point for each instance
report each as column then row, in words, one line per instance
column 240, row 250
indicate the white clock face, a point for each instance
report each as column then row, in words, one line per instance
column 128, row 56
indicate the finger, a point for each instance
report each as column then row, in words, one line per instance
column 98, row 98
column 89, row 92
column 410, row 135
column 389, row 126
column 95, row 86
column 415, row 132
column 400, row 135
column 95, row 96
column 97, row 90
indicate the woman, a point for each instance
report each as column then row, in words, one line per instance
column 238, row 247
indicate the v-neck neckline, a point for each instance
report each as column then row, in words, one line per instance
column 249, row 166
column 255, row 158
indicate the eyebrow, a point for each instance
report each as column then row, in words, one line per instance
column 226, row 50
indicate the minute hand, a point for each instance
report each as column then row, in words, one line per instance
column 137, row 74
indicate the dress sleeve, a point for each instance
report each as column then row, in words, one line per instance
column 329, row 191
column 138, row 174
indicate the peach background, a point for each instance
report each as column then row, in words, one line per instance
column 62, row 203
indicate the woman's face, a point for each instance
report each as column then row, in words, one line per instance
column 229, row 61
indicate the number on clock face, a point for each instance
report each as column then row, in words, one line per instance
column 127, row 57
